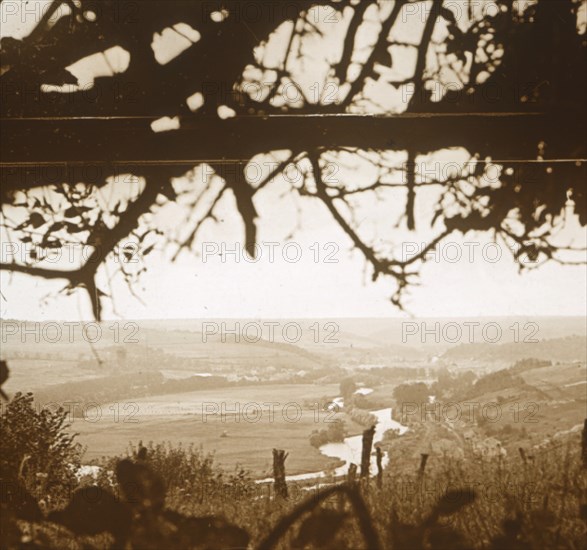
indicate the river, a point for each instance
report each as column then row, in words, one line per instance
column 350, row 449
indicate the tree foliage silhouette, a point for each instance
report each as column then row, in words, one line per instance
column 506, row 86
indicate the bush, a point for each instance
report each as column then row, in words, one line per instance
column 37, row 450
column 363, row 417
column 318, row 438
column 190, row 474
column 347, row 388
column 416, row 393
column 335, row 433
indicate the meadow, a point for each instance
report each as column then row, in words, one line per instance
column 236, row 423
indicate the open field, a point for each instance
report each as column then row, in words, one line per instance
column 31, row 374
column 198, row 402
column 200, row 418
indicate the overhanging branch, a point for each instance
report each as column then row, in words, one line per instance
column 43, row 151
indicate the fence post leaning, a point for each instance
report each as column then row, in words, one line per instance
column 423, row 460
column 352, row 474
column 279, row 457
column 368, row 436
column 379, row 467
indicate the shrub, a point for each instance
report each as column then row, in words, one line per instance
column 37, row 449
column 191, row 474
column 318, row 438
column 335, row 433
column 347, row 388
column 411, row 393
column 363, row 417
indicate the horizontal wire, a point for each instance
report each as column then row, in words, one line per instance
column 497, row 114
column 248, row 160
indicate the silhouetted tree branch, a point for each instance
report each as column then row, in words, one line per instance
column 512, row 89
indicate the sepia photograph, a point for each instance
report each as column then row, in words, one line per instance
column 293, row 275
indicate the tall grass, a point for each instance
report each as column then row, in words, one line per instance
column 536, row 503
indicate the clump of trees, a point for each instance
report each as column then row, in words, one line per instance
column 529, row 364
column 495, row 381
column 416, row 393
column 363, row 417
column 347, row 389
column 449, row 385
column 335, row 433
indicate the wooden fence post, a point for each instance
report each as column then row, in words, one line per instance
column 366, row 452
column 279, row 457
column 352, row 473
column 423, row 460
column 379, row 467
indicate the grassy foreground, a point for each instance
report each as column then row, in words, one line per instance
column 539, row 503
column 168, row 496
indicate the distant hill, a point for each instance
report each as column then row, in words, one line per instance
column 568, row 349
column 358, row 332
column 40, row 358
column 419, row 332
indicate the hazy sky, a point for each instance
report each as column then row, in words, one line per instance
column 467, row 276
